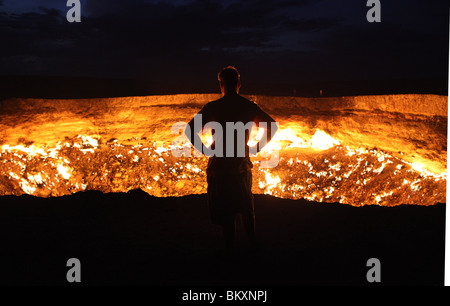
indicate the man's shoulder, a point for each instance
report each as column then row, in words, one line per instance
column 227, row 102
column 234, row 98
column 212, row 103
column 245, row 100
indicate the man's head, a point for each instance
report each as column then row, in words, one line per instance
column 229, row 80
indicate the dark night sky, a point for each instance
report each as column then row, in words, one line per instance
column 187, row 42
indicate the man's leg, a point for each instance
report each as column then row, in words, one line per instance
column 248, row 221
column 248, row 215
column 229, row 229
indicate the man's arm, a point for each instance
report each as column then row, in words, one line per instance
column 193, row 128
column 270, row 126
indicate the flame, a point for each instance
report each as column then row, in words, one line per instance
column 64, row 171
column 270, row 183
column 207, row 138
column 330, row 172
column 255, row 136
column 322, row 141
column 284, row 139
column 35, row 179
column 31, row 150
column 88, row 140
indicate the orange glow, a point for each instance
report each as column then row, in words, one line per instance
column 317, row 168
column 322, row 141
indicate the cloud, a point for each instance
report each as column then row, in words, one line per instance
column 293, row 40
column 138, row 27
column 316, row 24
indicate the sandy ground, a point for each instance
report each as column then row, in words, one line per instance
column 135, row 239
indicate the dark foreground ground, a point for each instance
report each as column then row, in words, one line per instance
column 134, row 239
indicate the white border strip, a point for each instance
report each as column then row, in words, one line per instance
column 447, row 210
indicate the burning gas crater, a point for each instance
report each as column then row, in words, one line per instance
column 318, row 169
column 385, row 150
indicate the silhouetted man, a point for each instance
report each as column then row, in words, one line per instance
column 229, row 167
